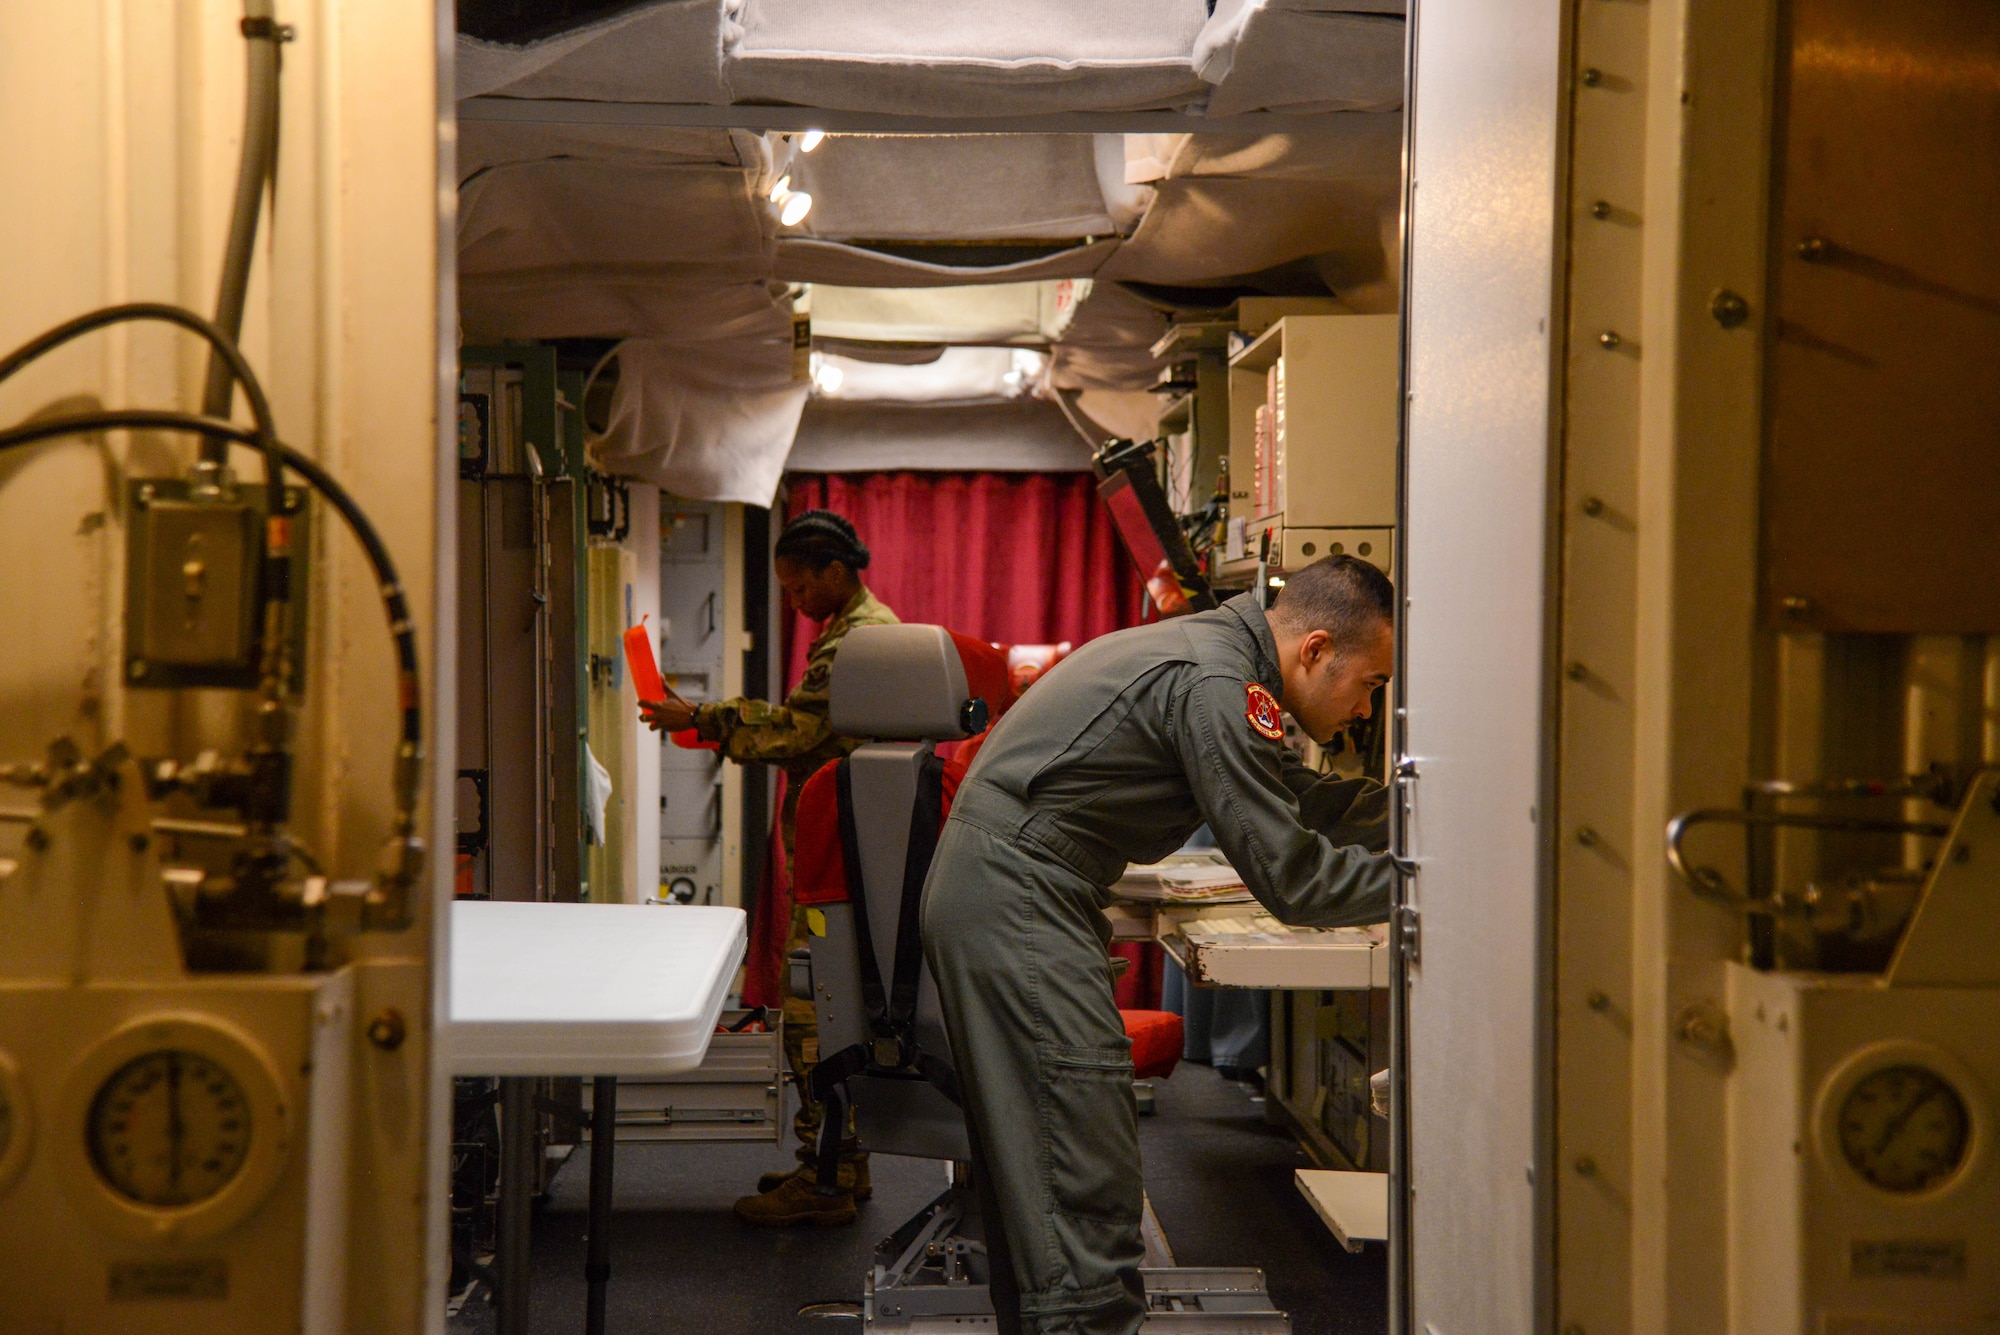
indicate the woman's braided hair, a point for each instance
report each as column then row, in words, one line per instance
column 818, row 538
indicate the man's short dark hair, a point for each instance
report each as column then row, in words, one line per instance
column 1342, row 595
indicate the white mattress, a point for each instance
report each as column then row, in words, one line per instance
column 587, row 989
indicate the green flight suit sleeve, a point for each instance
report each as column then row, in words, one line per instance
column 759, row 730
column 1345, row 810
column 1265, row 827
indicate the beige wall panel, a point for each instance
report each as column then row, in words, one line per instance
column 126, row 119
column 1594, row 837
column 1709, row 94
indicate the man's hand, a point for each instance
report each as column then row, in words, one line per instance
column 672, row 714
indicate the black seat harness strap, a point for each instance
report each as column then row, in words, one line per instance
column 891, row 1011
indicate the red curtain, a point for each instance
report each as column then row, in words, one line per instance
column 1015, row 558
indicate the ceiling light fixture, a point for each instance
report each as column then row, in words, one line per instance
column 781, row 189
column 796, row 206
column 811, row 140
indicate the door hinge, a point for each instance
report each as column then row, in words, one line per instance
column 1408, row 934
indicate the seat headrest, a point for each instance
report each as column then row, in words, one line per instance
column 898, row 683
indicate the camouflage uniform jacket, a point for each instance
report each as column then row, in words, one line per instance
column 796, row 734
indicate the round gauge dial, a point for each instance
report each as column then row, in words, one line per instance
column 169, row 1128
column 1904, row 1128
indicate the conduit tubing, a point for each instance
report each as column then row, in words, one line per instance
column 262, row 38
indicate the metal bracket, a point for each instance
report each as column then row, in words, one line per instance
column 1408, row 932
column 1403, row 780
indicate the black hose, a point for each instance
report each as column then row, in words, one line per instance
column 157, row 419
column 253, row 172
column 225, row 354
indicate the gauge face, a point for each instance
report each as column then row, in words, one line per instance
column 169, row 1128
column 1905, row 1128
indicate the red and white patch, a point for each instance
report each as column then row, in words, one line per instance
column 1264, row 714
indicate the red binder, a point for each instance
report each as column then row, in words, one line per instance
column 646, row 682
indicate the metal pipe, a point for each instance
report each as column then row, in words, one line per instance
column 517, row 1195
column 1710, row 884
column 262, row 37
column 603, row 1142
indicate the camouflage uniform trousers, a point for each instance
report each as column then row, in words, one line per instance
column 797, row 736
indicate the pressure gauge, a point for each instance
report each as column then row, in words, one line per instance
column 1905, row 1128
column 16, row 1123
column 182, row 1128
column 169, row 1128
column 1902, row 1120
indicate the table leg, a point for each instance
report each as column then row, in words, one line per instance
column 603, row 1141
column 517, row 1197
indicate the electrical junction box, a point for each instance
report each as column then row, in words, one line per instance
column 192, row 604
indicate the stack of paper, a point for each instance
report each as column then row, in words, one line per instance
column 1184, row 878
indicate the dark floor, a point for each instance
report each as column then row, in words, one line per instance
column 1220, row 1179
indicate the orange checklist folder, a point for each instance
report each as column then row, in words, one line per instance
column 645, row 668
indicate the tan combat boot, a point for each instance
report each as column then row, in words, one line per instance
column 797, row 1201
column 853, row 1177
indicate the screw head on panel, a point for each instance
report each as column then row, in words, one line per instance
column 1730, row 310
column 1601, row 209
column 1609, row 340
column 387, row 1029
column 1593, row 506
column 1590, row 78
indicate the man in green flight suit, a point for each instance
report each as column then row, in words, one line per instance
column 1119, row 754
column 817, row 560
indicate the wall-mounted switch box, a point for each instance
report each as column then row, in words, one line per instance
column 191, row 595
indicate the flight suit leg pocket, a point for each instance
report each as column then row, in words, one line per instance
column 1090, row 1142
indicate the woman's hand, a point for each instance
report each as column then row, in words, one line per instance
column 672, row 714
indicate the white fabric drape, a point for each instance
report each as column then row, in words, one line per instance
column 1027, row 437
column 710, row 415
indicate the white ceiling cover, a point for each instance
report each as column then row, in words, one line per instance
column 957, row 375
column 952, row 187
column 709, row 416
column 1028, row 436
column 1035, row 313
column 968, row 57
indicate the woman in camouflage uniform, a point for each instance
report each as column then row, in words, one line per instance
column 818, row 560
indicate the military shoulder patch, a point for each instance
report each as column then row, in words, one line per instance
column 1263, row 712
